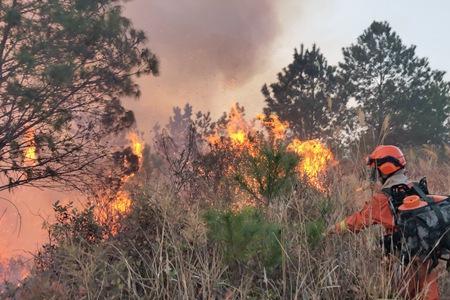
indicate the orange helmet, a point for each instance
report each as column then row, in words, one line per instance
column 387, row 159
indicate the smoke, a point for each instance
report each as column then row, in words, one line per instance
column 213, row 38
column 208, row 50
column 22, row 215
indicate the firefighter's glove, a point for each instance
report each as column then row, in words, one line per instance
column 336, row 229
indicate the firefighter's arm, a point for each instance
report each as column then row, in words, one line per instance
column 358, row 220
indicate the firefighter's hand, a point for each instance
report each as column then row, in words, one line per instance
column 338, row 228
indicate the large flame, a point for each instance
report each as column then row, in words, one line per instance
column 276, row 128
column 238, row 137
column 237, row 127
column 236, row 130
column 315, row 159
column 122, row 203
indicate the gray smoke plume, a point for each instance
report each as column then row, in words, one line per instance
column 204, row 46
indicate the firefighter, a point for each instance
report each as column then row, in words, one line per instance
column 388, row 163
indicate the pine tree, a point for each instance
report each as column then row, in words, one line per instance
column 398, row 92
column 305, row 94
column 64, row 66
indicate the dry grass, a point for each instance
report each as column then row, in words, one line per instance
column 162, row 251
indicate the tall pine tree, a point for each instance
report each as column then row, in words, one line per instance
column 305, row 94
column 396, row 90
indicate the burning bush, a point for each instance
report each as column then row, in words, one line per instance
column 191, row 234
column 246, row 162
column 112, row 204
column 266, row 173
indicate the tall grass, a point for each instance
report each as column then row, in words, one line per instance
column 163, row 249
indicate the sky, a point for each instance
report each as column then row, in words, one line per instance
column 214, row 53
column 206, row 60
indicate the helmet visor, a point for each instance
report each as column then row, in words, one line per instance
column 388, row 159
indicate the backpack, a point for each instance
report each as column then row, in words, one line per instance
column 423, row 232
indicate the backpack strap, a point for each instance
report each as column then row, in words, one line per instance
column 394, row 209
column 423, row 184
column 396, row 194
column 431, row 203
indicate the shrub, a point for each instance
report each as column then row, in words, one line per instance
column 245, row 237
column 314, row 231
column 269, row 173
column 71, row 227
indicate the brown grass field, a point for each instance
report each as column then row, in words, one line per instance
column 162, row 250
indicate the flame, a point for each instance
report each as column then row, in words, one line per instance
column 276, row 127
column 240, row 136
column 121, row 203
column 237, row 127
column 136, row 144
column 236, row 131
column 239, row 131
column 112, row 208
column 213, row 139
column 315, row 159
column 30, row 153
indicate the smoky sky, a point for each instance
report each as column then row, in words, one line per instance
column 205, row 47
column 213, row 37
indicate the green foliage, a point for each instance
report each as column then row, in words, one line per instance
column 74, row 225
column 12, row 17
column 305, row 94
column 317, row 212
column 26, row 58
column 245, row 237
column 396, row 90
column 268, row 173
column 325, row 207
column 65, row 65
column 399, row 98
column 314, row 231
column 60, row 74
